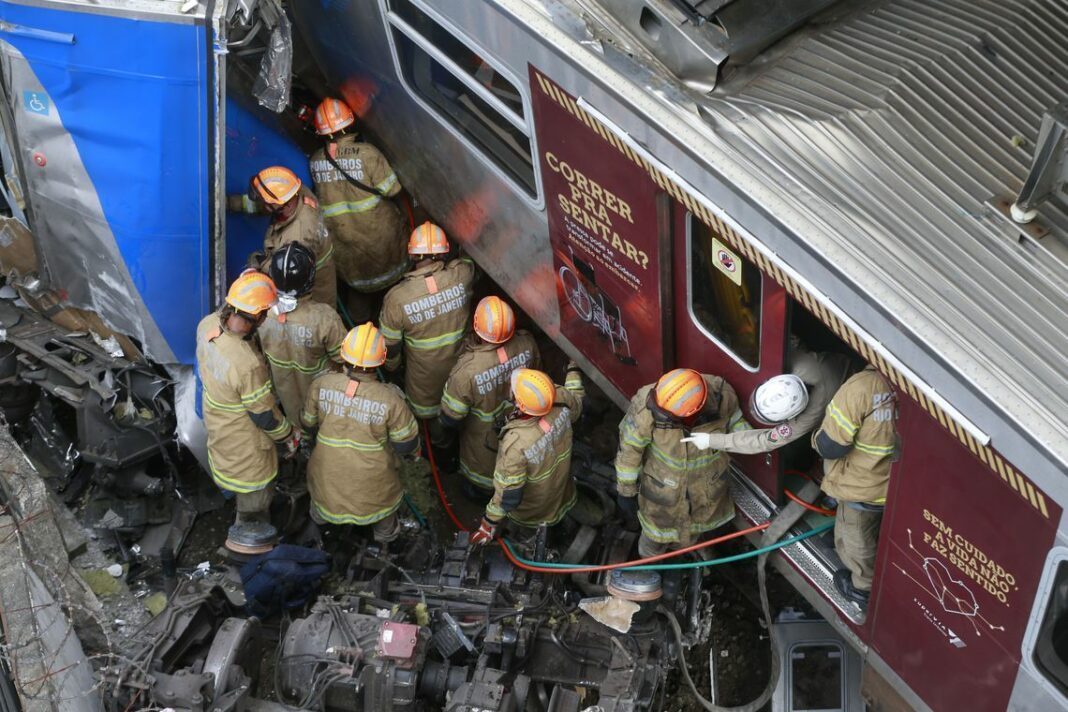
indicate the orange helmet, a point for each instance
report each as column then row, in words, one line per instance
column 331, row 116
column 494, row 320
column 276, row 185
column 681, row 392
column 532, row 391
column 253, row 292
column 428, row 239
column 364, row 346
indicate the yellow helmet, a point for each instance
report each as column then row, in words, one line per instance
column 533, row 391
column 253, row 292
column 428, row 239
column 364, row 346
column 681, row 392
column 494, row 320
column 276, row 185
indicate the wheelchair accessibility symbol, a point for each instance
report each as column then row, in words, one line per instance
column 35, row 102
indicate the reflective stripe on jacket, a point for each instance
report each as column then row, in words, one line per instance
column 860, row 417
column 369, row 232
column 241, row 456
column 532, row 477
column 306, row 226
column 353, row 474
column 299, row 345
column 477, row 392
column 429, row 311
column 682, row 491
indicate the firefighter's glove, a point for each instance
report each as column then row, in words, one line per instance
column 701, row 441
column 486, row 531
column 291, row 445
column 628, row 507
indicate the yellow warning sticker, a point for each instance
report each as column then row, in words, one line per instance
column 726, row 261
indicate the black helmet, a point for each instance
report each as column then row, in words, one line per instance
column 293, row 269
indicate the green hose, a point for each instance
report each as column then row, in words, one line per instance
column 345, row 313
column 689, row 565
column 415, row 511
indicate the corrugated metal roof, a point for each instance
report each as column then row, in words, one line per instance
column 890, row 129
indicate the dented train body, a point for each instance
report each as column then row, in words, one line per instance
column 656, row 184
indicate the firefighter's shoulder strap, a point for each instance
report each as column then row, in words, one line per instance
column 359, row 184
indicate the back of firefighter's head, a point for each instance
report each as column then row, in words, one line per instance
column 494, row 320
column 533, row 392
column 778, row 399
column 293, row 269
column 681, row 393
column 364, row 347
column 428, row 241
column 251, row 295
column 275, row 186
column 332, row 117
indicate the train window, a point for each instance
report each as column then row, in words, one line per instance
column 1051, row 645
column 725, row 293
column 816, row 677
column 464, row 90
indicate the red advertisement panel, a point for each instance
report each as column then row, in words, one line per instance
column 603, row 229
column 962, row 556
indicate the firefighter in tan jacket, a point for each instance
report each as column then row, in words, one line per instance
column 532, row 478
column 362, row 427
column 790, row 406
column 478, row 387
column 425, row 317
column 295, row 217
column 240, row 412
column 677, row 490
column 301, row 338
column 858, row 443
column 354, row 182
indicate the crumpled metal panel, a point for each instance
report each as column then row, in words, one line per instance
column 113, row 128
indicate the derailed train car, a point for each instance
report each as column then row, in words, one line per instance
column 655, row 183
column 697, row 183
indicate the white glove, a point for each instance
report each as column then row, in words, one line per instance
column 701, row 441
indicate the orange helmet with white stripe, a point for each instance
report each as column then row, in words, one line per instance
column 332, row 115
column 681, row 392
column 364, row 346
column 428, row 239
column 494, row 320
column 252, row 293
column 533, row 391
column 276, row 185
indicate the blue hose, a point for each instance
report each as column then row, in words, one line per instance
column 415, row 511
column 689, row 565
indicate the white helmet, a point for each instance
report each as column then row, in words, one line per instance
column 778, row 399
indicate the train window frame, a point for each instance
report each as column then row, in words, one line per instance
column 691, row 220
column 395, row 23
column 843, row 674
column 1056, row 560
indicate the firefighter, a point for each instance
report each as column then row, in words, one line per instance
column 532, row 477
column 790, row 405
column 355, row 183
column 295, row 217
column 301, row 338
column 676, row 490
column 361, row 428
column 240, row 411
column 858, row 442
column 477, row 389
column 424, row 318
